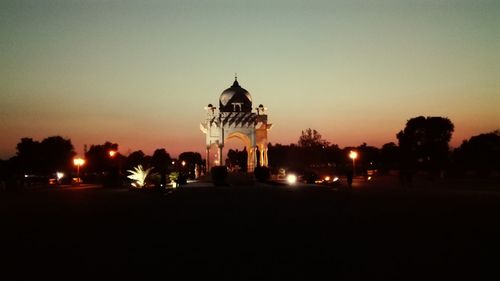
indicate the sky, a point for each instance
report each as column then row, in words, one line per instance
column 139, row 73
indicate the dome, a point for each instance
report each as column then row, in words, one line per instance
column 235, row 98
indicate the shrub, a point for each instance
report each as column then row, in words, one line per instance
column 219, row 175
column 138, row 175
column 262, row 174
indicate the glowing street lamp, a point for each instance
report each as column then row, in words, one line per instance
column 78, row 162
column 112, row 153
column 353, row 155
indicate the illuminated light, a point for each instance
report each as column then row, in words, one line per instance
column 335, row 179
column 327, row 178
column 173, row 162
column 369, row 178
column 291, row 179
column 353, row 155
column 59, row 175
column 112, row 153
column 183, row 163
column 78, row 161
column 25, row 176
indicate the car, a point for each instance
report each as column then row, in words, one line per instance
column 328, row 180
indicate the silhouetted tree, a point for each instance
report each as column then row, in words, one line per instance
column 161, row 162
column 424, row 143
column 304, row 157
column 57, row 153
column 29, row 157
column 332, row 155
column 98, row 158
column 239, row 158
column 284, row 156
column 136, row 158
column 312, row 148
column 52, row 154
column 311, row 138
column 480, row 154
column 389, row 157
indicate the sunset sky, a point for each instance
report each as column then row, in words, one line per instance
column 139, row 73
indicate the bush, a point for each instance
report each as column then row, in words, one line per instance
column 262, row 174
column 219, row 175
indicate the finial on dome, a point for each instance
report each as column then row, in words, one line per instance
column 236, row 80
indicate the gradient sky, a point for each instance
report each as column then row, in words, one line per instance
column 140, row 72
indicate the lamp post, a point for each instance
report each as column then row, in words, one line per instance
column 78, row 162
column 353, row 155
column 183, row 168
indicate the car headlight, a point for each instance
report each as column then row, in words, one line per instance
column 291, row 179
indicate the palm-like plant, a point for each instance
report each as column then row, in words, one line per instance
column 139, row 175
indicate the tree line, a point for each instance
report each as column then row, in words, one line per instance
column 37, row 161
column 423, row 146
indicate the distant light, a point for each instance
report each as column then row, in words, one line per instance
column 173, row 162
column 369, row 178
column 291, row 179
column 112, row 153
column 183, row 163
column 335, row 179
column 25, row 176
column 327, row 178
column 59, row 175
column 353, row 154
column 78, row 161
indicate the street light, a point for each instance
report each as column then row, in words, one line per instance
column 353, row 155
column 78, row 162
column 183, row 163
column 112, row 153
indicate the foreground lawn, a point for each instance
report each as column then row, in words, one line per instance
column 254, row 232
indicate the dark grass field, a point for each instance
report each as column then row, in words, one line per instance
column 253, row 232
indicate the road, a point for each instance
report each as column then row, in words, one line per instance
column 252, row 232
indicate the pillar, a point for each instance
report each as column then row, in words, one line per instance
column 261, row 156
column 207, row 166
column 255, row 148
column 266, row 162
column 221, row 157
column 250, row 159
